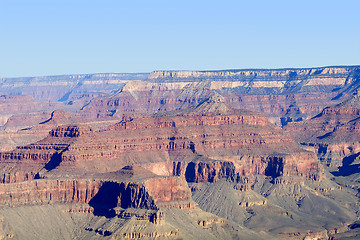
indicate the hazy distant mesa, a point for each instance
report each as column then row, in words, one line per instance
column 277, row 80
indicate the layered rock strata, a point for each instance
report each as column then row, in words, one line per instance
column 334, row 133
column 285, row 95
column 103, row 196
column 207, row 146
column 205, row 143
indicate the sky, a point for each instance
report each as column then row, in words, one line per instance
column 54, row 37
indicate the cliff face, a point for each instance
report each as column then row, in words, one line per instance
column 126, row 194
column 285, row 95
column 25, row 162
column 204, row 170
column 334, row 132
column 210, row 141
column 131, row 196
column 48, row 191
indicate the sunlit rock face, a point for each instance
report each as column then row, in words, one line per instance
column 284, row 95
column 334, row 132
column 204, row 143
column 183, row 155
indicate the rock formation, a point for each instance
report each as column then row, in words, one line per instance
column 212, row 130
column 284, row 95
column 334, row 132
column 177, row 156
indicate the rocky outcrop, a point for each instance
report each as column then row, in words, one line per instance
column 71, row 131
column 25, row 162
column 155, row 216
column 104, row 196
column 302, row 164
column 121, row 199
column 204, row 171
column 209, row 222
column 224, row 140
column 48, row 191
column 170, row 234
column 114, row 194
column 334, row 133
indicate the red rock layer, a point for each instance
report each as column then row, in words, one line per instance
column 302, row 164
column 213, row 131
column 98, row 192
column 204, row 171
column 25, row 162
column 334, row 133
column 166, row 134
column 70, row 131
column 48, row 191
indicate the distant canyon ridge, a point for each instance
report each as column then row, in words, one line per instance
column 284, row 95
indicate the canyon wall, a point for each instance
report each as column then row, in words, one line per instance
column 284, row 95
column 334, row 132
column 210, row 141
column 177, row 129
column 98, row 193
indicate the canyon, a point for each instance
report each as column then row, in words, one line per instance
column 233, row 154
column 284, row 95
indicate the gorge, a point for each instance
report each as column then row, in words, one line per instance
column 233, row 154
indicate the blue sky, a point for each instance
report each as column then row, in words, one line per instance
column 63, row 37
